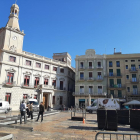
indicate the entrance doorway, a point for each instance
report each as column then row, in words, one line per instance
column 45, row 100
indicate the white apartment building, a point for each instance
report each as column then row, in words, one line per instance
column 23, row 74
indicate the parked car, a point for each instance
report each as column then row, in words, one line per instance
column 4, row 107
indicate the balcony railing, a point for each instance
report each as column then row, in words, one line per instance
column 134, row 93
column 90, row 67
column 133, row 69
column 117, row 86
column 99, row 67
column 99, row 78
column 48, row 86
column 114, row 75
column 7, row 83
column 118, row 74
column 27, row 85
column 90, row 79
column 134, row 80
column 81, row 79
column 81, row 68
column 87, row 94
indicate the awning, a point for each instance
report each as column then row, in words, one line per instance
column 133, row 102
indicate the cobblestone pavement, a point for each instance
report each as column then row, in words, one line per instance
column 60, row 127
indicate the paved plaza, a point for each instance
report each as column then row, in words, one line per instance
column 60, row 126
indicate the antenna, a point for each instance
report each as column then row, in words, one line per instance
column 15, row 1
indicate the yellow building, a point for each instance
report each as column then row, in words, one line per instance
column 123, row 72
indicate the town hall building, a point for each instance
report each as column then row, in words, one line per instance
column 23, row 74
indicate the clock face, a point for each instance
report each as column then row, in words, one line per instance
column 14, row 38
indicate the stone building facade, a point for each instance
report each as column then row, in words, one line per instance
column 90, row 77
column 23, row 74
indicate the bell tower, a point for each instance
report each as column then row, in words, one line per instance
column 13, row 18
column 11, row 38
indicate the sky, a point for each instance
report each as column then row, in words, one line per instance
column 73, row 26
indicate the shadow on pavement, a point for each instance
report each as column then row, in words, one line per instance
column 83, row 127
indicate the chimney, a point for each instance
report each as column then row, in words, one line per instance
column 114, row 50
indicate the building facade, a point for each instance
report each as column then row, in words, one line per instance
column 23, row 74
column 124, row 76
column 105, row 75
column 90, row 77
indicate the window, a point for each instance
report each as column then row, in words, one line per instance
column 90, row 64
column 26, row 80
column 117, row 63
column 28, row 63
column 90, row 89
column 61, row 85
column 126, row 66
column 45, row 81
column 119, row 93
column 36, row 82
column 25, row 96
column 99, row 64
column 119, row 83
column 110, row 64
column 12, row 59
column 54, row 83
column 90, row 74
column 61, row 100
column 118, row 72
column 111, row 82
column 139, row 66
column 62, row 70
column 54, row 68
column 10, row 77
column 110, row 72
column 128, row 89
column 132, row 60
column 99, row 75
column 135, row 90
column 139, row 60
column 81, row 65
column 8, row 97
column 53, row 102
column 126, row 60
column 38, row 65
column 134, row 79
column 133, row 68
column 47, row 67
column 99, row 89
column 81, row 89
column 81, row 75
column 127, row 77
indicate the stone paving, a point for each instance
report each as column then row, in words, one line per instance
column 60, row 127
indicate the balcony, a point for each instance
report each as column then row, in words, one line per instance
column 60, row 88
column 92, row 94
column 90, row 68
column 81, row 68
column 99, row 67
column 9, row 84
column 118, row 75
column 111, row 75
column 27, row 85
column 99, row 79
column 117, row 87
column 133, row 93
column 133, row 70
column 81, row 79
column 48, row 86
column 90, row 79
column 134, row 80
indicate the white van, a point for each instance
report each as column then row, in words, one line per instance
column 4, row 107
column 35, row 104
column 106, row 103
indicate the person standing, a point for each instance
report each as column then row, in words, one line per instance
column 22, row 112
column 41, row 111
column 31, row 110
